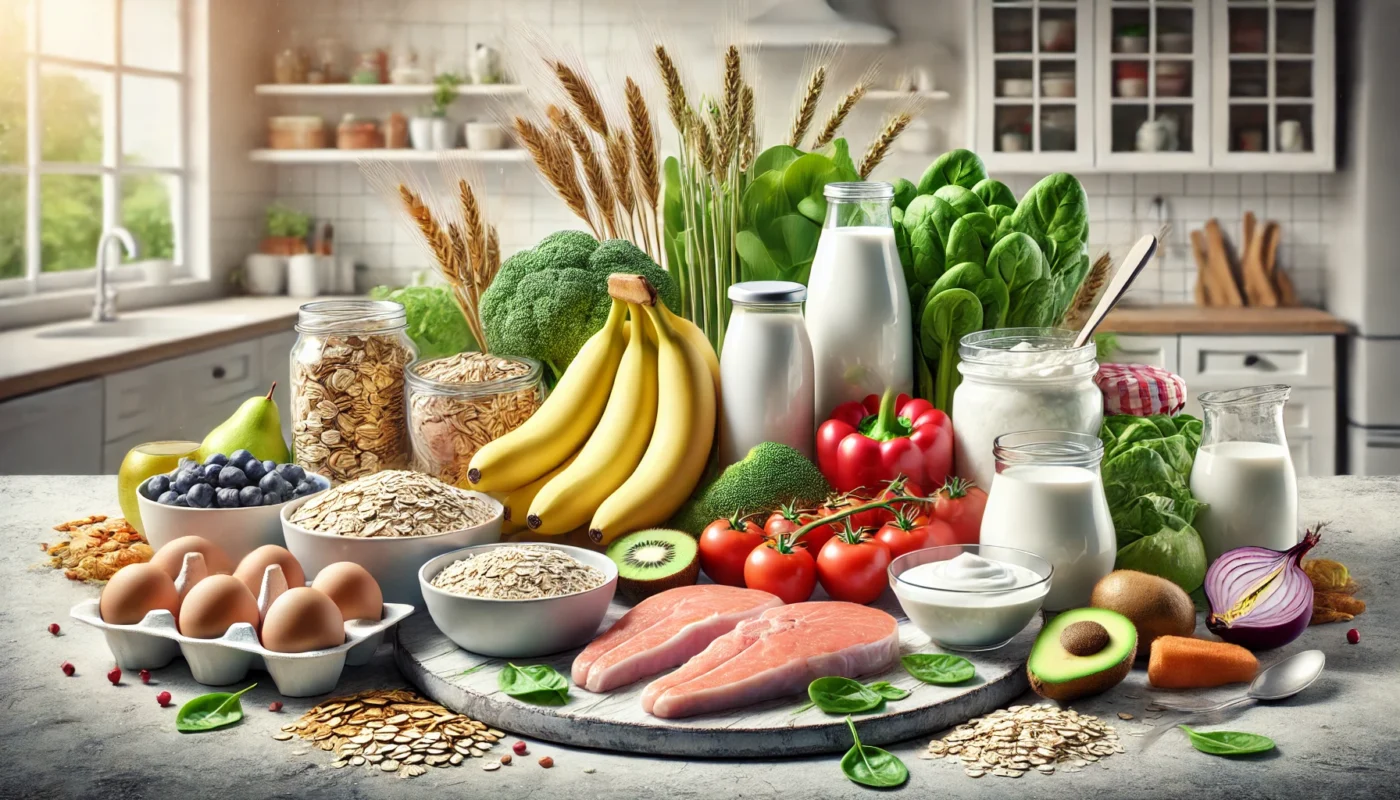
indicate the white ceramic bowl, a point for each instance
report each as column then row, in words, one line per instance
column 1057, row 85
column 970, row 619
column 1174, row 42
column 392, row 560
column 519, row 628
column 239, row 531
column 1015, row 87
column 1130, row 44
column 1132, row 87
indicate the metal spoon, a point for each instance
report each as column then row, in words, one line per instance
column 1136, row 259
column 1284, row 679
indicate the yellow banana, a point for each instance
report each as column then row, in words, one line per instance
column 517, row 503
column 563, row 423
column 692, row 333
column 615, row 447
column 680, row 445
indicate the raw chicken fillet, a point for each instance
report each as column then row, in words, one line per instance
column 777, row 654
column 663, row 631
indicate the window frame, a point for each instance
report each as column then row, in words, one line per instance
column 113, row 167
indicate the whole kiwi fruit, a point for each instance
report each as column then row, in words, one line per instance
column 1156, row 606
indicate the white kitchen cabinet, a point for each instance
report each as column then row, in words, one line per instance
column 1274, row 85
column 1157, row 351
column 54, row 432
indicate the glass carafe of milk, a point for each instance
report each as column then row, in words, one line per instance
column 857, row 313
column 1244, row 472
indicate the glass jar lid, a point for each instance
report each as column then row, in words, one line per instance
column 858, row 190
column 351, row 316
column 768, row 292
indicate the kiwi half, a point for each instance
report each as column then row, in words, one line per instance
column 652, row 561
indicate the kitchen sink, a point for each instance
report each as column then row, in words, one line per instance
column 139, row 328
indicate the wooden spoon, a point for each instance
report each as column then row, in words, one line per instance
column 1132, row 264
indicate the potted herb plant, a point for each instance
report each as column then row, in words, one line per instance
column 286, row 230
column 433, row 131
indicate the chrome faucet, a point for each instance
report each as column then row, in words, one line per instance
column 104, row 305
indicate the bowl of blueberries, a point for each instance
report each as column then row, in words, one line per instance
column 233, row 501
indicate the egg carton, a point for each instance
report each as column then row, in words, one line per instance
column 154, row 642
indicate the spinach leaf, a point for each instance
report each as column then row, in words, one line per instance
column 871, row 766
column 947, row 317
column 956, row 167
column 994, row 192
column 904, row 191
column 210, row 711
column 888, row 690
column 539, row 684
column 938, row 668
column 1228, row 743
column 836, row 695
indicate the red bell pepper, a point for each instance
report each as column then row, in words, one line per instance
column 864, row 445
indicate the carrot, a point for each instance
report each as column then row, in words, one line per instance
column 1182, row 662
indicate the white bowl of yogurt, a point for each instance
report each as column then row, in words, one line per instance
column 970, row 597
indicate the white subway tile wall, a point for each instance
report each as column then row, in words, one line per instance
column 604, row 32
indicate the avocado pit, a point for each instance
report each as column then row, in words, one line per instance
column 1084, row 638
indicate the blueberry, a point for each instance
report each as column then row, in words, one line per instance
column 254, row 470
column 232, row 477
column 184, row 480
column 155, row 486
column 226, row 498
column 239, row 457
column 293, row 473
column 201, row 496
column 249, row 496
column 216, row 458
column 271, row 499
column 167, row 498
column 211, row 472
column 182, row 501
column 186, row 462
column 272, row 482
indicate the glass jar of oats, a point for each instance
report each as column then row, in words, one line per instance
column 457, row 404
column 348, row 364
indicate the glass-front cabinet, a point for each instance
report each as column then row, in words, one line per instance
column 1274, row 84
column 1038, row 90
column 1153, row 74
column 1154, row 85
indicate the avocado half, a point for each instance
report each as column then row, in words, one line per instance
column 1070, row 660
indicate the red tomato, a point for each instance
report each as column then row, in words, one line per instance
column 960, row 504
column 781, row 522
column 778, row 568
column 854, row 571
column 906, row 534
column 723, row 549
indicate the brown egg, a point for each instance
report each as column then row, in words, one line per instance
column 172, row 556
column 302, row 620
column 353, row 589
column 136, row 590
column 251, row 568
column 214, row 604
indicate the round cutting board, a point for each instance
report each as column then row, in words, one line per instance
column 615, row 720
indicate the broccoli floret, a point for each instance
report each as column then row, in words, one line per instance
column 771, row 475
column 546, row 301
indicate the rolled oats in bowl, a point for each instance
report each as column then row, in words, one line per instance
column 527, row 572
column 459, row 403
column 393, row 503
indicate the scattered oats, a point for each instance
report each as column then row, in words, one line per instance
column 528, row 572
column 281, row 737
column 589, row 770
column 974, row 773
column 392, row 503
column 459, row 403
column 1124, row 715
column 339, row 764
column 491, row 766
column 1010, row 742
column 389, row 766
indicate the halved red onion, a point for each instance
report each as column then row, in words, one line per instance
column 1260, row 598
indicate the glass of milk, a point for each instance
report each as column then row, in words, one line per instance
column 1244, row 471
column 858, row 314
column 1047, row 498
column 766, row 371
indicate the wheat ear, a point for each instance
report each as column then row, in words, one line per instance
column 620, row 170
column 594, row 175
column 880, row 145
column 423, row 218
column 644, row 155
column 557, row 168
column 838, row 115
column 1088, row 294
column 807, row 107
column 676, row 102
column 583, row 97
column 748, row 134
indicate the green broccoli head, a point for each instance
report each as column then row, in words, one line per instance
column 620, row 255
column 771, row 475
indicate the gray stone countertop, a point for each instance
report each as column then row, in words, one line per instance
column 83, row 737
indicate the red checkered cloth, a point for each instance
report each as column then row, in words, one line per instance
column 1140, row 390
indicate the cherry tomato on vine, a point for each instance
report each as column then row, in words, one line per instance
column 960, row 504
column 900, row 486
column 724, row 545
column 906, row 533
column 779, row 568
column 783, row 521
column 852, row 567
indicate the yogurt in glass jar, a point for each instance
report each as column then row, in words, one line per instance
column 1047, row 498
column 1020, row 379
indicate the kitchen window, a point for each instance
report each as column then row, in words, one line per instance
column 93, row 98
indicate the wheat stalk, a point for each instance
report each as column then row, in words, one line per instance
column 880, row 145
column 747, row 129
column 807, row 107
column 838, row 115
column 676, row 102
column 645, row 157
column 1083, row 303
column 557, row 168
column 620, row 169
column 493, row 255
column 422, row 217
column 593, row 173
column 583, row 97
column 704, row 144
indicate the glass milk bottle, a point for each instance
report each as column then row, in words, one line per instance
column 858, row 314
column 1047, row 498
column 1244, row 472
column 766, row 371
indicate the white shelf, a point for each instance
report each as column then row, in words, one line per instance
column 380, row 89
column 331, row 156
column 935, row 96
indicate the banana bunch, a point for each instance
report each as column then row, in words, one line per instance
column 623, row 439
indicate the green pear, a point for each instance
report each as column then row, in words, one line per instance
column 256, row 427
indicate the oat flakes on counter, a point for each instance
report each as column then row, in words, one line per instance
column 1010, row 742
column 459, row 403
column 393, row 503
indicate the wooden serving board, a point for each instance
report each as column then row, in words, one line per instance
column 615, row 721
